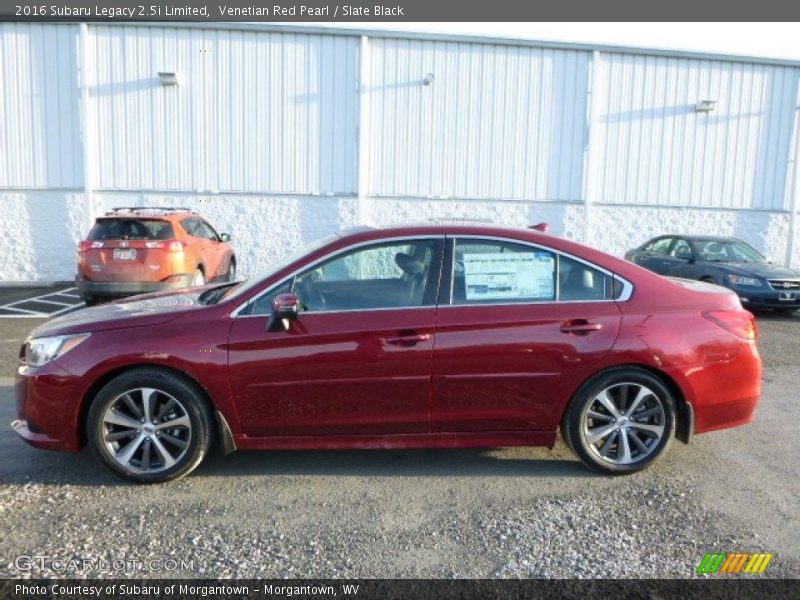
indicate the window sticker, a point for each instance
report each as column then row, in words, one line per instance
column 509, row 276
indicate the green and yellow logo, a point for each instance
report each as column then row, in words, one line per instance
column 734, row 563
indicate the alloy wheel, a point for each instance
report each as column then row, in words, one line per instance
column 624, row 423
column 146, row 430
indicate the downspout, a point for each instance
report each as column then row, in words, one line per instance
column 793, row 171
column 88, row 138
column 362, row 184
column 593, row 99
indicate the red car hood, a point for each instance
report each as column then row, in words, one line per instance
column 149, row 309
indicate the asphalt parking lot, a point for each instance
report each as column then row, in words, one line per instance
column 523, row 512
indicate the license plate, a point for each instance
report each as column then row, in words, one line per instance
column 124, row 254
column 787, row 296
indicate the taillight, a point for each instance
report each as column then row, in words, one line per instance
column 170, row 246
column 741, row 323
column 176, row 246
column 89, row 245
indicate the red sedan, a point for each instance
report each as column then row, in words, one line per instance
column 435, row 336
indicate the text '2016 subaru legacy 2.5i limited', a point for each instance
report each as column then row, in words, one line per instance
column 431, row 336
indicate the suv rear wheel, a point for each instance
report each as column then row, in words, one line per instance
column 149, row 426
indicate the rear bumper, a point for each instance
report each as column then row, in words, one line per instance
column 131, row 288
column 727, row 390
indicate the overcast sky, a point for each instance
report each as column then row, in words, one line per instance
column 775, row 40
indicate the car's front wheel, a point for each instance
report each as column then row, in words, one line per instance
column 150, row 425
column 620, row 421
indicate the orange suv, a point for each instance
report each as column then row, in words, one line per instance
column 138, row 250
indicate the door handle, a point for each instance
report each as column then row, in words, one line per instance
column 408, row 339
column 580, row 327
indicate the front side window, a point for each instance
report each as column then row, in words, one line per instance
column 387, row 275
column 681, row 248
column 499, row 272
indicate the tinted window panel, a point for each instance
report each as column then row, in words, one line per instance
column 580, row 282
column 131, row 229
column 390, row 275
column 659, row 246
column 498, row 272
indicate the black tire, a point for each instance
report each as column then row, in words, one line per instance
column 709, row 280
column 231, row 274
column 191, row 400
column 573, row 430
column 91, row 300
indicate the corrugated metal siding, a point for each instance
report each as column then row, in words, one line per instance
column 39, row 114
column 656, row 149
column 497, row 122
column 254, row 111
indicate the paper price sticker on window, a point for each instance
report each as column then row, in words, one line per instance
column 509, row 276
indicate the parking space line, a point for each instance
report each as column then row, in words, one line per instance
column 55, row 302
column 22, row 310
column 59, row 300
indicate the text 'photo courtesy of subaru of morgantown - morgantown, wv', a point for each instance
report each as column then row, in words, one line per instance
column 443, row 335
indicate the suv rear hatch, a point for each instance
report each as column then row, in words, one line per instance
column 130, row 249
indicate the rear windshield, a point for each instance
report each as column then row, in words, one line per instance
column 131, row 229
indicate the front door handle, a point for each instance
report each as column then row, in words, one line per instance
column 580, row 327
column 407, row 339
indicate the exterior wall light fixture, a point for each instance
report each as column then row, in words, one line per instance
column 705, row 106
column 166, row 78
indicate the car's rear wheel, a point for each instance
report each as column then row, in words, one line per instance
column 621, row 421
column 231, row 271
column 199, row 278
column 91, row 300
column 149, row 425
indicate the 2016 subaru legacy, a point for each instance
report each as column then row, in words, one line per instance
column 434, row 336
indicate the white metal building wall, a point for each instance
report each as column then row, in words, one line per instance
column 502, row 122
column 254, row 112
column 40, row 143
column 656, row 149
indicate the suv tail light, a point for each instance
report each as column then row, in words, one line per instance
column 741, row 323
column 89, row 245
column 169, row 246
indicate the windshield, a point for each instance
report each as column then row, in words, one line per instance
column 727, row 251
column 249, row 284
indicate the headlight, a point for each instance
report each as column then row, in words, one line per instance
column 739, row 280
column 40, row 351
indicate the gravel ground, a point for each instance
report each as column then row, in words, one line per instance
column 520, row 512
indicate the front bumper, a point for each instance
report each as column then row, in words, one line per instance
column 48, row 408
column 131, row 288
column 763, row 298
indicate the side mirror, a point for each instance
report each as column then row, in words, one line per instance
column 687, row 256
column 225, row 237
column 285, row 308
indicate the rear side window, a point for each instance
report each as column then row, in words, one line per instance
column 131, row 229
column 496, row 272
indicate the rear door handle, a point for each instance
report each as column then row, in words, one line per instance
column 408, row 339
column 580, row 327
